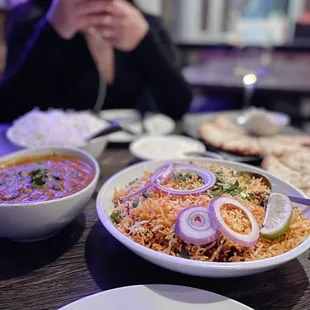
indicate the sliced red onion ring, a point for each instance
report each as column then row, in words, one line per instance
column 208, row 177
column 162, row 173
column 215, row 212
column 194, row 225
column 139, row 191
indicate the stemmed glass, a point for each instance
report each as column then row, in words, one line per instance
column 249, row 75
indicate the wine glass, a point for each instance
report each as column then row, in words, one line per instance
column 246, row 68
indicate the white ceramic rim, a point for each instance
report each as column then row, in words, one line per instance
column 130, row 112
column 265, row 263
column 285, row 117
column 24, row 153
column 133, row 112
column 134, row 146
column 154, row 286
column 286, row 120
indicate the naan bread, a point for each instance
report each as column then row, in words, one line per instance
column 215, row 136
column 223, row 134
column 303, row 140
column 242, row 145
column 225, row 124
column 284, row 168
column 299, row 161
column 270, row 145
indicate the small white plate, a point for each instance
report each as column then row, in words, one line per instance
column 156, row 124
column 155, row 297
column 165, row 147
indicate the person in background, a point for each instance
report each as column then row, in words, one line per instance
column 89, row 54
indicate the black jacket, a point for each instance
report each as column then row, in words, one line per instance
column 43, row 70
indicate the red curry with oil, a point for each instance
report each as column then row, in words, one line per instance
column 43, row 178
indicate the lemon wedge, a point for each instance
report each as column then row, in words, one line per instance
column 278, row 216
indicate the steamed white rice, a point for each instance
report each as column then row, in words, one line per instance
column 54, row 128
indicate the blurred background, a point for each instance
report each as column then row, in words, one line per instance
column 222, row 41
column 235, row 52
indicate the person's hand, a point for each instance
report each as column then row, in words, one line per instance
column 68, row 17
column 123, row 25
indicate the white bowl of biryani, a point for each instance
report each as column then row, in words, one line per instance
column 148, row 219
column 58, row 128
column 43, row 190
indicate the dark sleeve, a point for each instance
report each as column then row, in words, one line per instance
column 157, row 60
column 22, row 86
column 37, row 69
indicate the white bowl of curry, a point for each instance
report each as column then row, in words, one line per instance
column 43, row 190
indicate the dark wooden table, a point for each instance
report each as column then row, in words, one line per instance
column 84, row 259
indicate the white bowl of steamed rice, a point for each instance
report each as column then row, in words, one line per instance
column 204, row 217
column 58, row 128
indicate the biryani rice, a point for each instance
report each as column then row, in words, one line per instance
column 151, row 223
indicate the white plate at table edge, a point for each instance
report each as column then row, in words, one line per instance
column 136, row 147
column 192, row 267
column 123, row 137
column 154, row 297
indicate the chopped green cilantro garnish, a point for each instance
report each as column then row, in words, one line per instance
column 39, row 177
column 224, row 186
column 135, row 203
column 116, row 216
column 183, row 254
column 133, row 182
column 147, row 195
